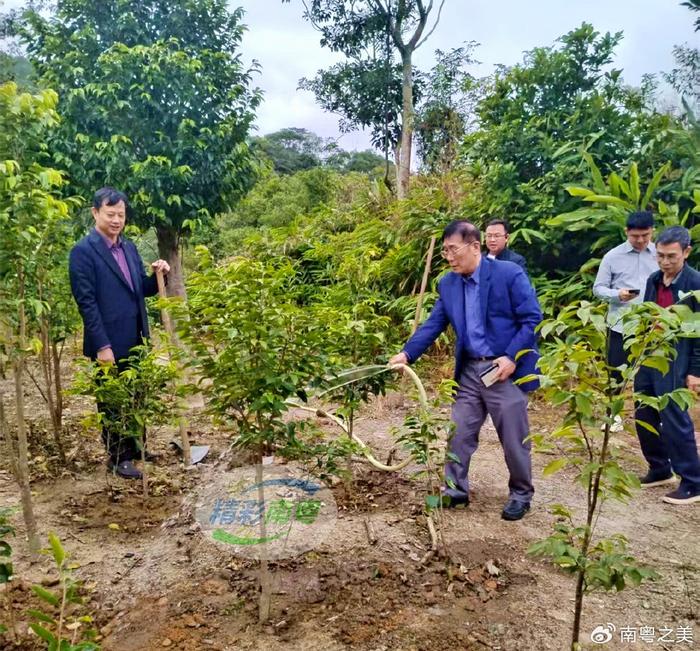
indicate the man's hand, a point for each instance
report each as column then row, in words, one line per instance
column 162, row 265
column 693, row 382
column 105, row 356
column 401, row 358
column 506, row 366
column 625, row 295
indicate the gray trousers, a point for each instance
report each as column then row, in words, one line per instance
column 507, row 406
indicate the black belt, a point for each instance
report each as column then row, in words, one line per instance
column 485, row 358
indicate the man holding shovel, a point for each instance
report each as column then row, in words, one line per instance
column 109, row 285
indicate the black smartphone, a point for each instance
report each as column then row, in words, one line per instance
column 634, row 292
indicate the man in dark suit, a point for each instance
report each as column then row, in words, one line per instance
column 109, row 284
column 493, row 310
column 673, row 447
column 497, row 235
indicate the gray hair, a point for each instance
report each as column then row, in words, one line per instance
column 675, row 234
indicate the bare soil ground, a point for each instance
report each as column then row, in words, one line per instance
column 154, row 581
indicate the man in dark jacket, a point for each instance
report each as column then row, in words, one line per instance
column 109, row 285
column 497, row 235
column 674, row 448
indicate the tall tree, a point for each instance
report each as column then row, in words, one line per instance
column 359, row 29
column 536, row 118
column 155, row 101
column 444, row 111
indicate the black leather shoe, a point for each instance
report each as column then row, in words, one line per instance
column 515, row 510
column 125, row 469
column 454, row 501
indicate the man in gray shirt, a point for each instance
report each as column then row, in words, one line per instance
column 622, row 277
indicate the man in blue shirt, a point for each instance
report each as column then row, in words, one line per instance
column 493, row 310
column 622, row 277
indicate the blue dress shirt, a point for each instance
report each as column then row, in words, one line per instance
column 475, row 344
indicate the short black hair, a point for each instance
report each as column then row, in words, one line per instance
column 109, row 197
column 500, row 222
column 675, row 234
column 642, row 219
column 467, row 230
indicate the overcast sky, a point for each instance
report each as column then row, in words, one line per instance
column 288, row 48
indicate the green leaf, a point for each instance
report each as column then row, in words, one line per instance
column 42, row 617
column 59, row 554
column 43, row 633
column 44, row 594
column 577, row 191
column 607, row 199
column 659, row 363
column 651, row 188
column 634, row 191
column 598, row 183
column 554, row 466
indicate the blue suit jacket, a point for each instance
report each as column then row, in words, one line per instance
column 509, row 309
column 113, row 314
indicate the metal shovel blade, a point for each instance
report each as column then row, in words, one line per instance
column 197, row 452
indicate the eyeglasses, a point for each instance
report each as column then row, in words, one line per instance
column 494, row 236
column 454, row 250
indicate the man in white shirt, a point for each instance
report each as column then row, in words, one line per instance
column 622, row 277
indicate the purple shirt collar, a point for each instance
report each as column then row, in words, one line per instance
column 108, row 242
column 119, row 255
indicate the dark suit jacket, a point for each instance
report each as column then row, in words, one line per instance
column 113, row 314
column 509, row 309
column 688, row 359
column 508, row 255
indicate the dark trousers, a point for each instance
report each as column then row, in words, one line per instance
column 507, row 406
column 674, row 447
column 120, row 446
column 617, row 355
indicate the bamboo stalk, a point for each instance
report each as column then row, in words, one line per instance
column 424, row 283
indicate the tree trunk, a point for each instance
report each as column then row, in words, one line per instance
column 265, row 599
column 23, row 461
column 169, row 250
column 22, row 447
column 47, row 361
column 407, row 119
column 10, row 448
column 58, row 387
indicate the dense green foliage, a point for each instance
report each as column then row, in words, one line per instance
column 534, row 122
column 154, row 100
column 577, row 377
column 139, row 397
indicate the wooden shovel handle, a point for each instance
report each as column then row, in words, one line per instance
column 164, row 315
